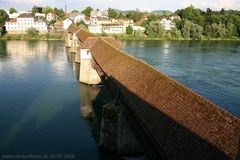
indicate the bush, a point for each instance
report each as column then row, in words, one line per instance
column 32, row 32
column 129, row 30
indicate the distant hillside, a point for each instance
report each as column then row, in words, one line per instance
column 120, row 11
column 161, row 12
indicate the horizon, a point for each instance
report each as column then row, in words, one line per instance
column 171, row 5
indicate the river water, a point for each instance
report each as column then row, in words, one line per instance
column 211, row 68
column 45, row 111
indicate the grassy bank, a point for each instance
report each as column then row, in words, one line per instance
column 36, row 37
column 146, row 38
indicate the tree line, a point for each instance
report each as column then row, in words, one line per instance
column 194, row 23
column 198, row 24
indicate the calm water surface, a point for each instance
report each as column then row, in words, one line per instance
column 40, row 107
column 211, row 68
column 44, row 111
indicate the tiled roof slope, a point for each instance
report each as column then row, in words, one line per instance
column 90, row 41
column 72, row 28
column 26, row 15
column 83, row 35
column 211, row 124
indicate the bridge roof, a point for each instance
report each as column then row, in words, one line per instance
column 182, row 123
column 72, row 28
column 83, row 35
column 90, row 41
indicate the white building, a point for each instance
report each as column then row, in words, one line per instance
column 66, row 23
column 73, row 19
column 77, row 17
column 24, row 22
column 98, row 13
column 138, row 28
column 168, row 24
column 51, row 16
column 40, row 15
column 13, row 15
column 113, row 28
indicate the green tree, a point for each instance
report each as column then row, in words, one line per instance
column 186, row 29
column 175, row 33
column 87, row 11
column 218, row 30
column 155, row 29
column 144, row 24
column 194, row 15
column 32, row 32
column 112, row 13
column 121, row 15
column 47, row 9
column 3, row 17
column 1, row 31
column 74, row 11
column 231, row 30
column 135, row 15
column 60, row 13
column 35, row 9
column 152, row 17
column 196, row 32
column 12, row 10
column 129, row 30
column 82, row 24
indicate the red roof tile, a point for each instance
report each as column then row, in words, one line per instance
column 87, row 44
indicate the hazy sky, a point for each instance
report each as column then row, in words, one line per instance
column 144, row 5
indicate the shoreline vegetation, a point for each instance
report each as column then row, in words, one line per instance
column 189, row 23
column 145, row 38
column 118, row 37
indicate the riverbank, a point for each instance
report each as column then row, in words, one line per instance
column 145, row 38
column 36, row 37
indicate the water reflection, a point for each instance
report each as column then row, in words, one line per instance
column 39, row 104
column 88, row 94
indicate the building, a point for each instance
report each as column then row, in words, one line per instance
column 138, row 28
column 24, row 22
column 168, row 24
column 40, row 15
column 125, row 21
column 77, row 17
column 13, row 15
column 73, row 18
column 98, row 13
column 113, row 28
column 66, row 23
column 175, row 17
column 51, row 16
column 95, row 25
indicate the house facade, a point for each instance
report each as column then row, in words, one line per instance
column 51, row 16
column 168, row 24
column 113, row 28
column 24, row 22
column 73, row 18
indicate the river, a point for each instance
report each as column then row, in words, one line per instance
column 45, row 111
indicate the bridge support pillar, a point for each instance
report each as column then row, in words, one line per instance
column 116, row 134
column 88, row 74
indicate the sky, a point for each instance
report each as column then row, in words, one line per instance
column 143, row 5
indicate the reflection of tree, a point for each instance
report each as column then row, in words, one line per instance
column 3, row 47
